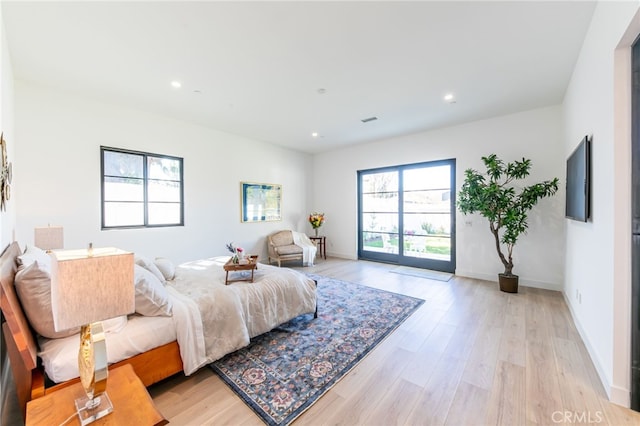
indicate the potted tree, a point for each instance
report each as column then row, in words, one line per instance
column 493, row 195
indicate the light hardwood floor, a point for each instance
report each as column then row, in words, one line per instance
column 471, row 355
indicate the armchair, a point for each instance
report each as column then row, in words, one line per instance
column 290, row 245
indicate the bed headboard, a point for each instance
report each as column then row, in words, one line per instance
column 21, row 344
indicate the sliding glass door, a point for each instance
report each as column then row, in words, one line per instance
column 407, row 215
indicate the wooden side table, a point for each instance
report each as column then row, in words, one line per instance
column 321, row 242
column 132, row 405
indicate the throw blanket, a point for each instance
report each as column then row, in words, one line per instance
column 213, row 319
column 308, row 248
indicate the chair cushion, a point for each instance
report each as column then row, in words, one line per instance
column 282, row 238
column 289, row 249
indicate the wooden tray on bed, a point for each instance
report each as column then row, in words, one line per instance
column 250, row 264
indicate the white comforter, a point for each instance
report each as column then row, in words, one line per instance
column 213, row 319
column 208, row 318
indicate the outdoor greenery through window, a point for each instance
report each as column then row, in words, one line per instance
column 407, row 215
column 140, row 189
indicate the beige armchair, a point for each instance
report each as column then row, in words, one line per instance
column 290, row 245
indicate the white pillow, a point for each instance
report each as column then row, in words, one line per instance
column 33, row 286
column 152, row 299
column 114, row 325
column 166, row 267
column 33, row 254
column 149, row 265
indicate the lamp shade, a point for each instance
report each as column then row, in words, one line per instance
column 89, row 286
column 48, row 238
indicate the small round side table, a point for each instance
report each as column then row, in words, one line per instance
column 321, row 242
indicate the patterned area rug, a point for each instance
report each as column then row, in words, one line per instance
column 283, row 372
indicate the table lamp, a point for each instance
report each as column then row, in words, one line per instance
column 48, row 238
column 88, row 286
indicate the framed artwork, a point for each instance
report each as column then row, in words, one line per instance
column 261, row 202
column 5, row 174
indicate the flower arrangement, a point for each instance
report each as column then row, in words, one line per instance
column 236, row 251
column 316, row 220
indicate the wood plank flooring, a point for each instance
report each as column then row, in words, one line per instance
column 471, row 355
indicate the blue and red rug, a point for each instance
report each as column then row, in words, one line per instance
column 283, row 372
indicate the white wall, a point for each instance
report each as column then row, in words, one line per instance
column 598, row 261
column 58, row 178
column 8, row 217
column 8, row 401
column 537, row 135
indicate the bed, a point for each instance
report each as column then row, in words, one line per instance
column 207, row 320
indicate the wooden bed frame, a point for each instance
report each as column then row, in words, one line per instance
column 151, row 366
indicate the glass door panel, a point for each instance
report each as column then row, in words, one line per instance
column 407, row 215
column 427, row 212
column 379, row 214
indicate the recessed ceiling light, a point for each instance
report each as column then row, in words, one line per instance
column 314, row 134
column 176, row 84
column 449, row 98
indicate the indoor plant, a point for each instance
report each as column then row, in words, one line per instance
column 494, row 196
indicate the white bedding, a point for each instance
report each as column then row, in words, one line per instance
column 60, row 356
column 209, row 319
column 232, row 314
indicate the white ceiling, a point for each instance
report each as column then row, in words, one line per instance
column 255, row 68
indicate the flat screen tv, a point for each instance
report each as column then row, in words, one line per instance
column 578, row 192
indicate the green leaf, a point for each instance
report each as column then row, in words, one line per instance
column 493, row 196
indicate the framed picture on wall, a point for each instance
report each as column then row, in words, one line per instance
column 260, row 202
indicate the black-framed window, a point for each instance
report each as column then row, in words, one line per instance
column 406, row 215
column 141, row 189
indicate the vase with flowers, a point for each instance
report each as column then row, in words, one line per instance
column 236, row 252
column 316, row 220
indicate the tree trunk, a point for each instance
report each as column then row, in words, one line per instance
column 508, row 264
column 508, row 269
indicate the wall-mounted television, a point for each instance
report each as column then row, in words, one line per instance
column 578, row 201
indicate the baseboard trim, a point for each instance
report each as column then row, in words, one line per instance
column 620, row 396
column 615, row 394
column 341, row 256
column 522, row 281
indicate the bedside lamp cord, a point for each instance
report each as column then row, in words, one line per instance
column 69, row 418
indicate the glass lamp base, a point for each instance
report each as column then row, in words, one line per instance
column 90, row 410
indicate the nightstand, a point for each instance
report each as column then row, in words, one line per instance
column 132, row 405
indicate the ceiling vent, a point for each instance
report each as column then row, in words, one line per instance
column 366, row 120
